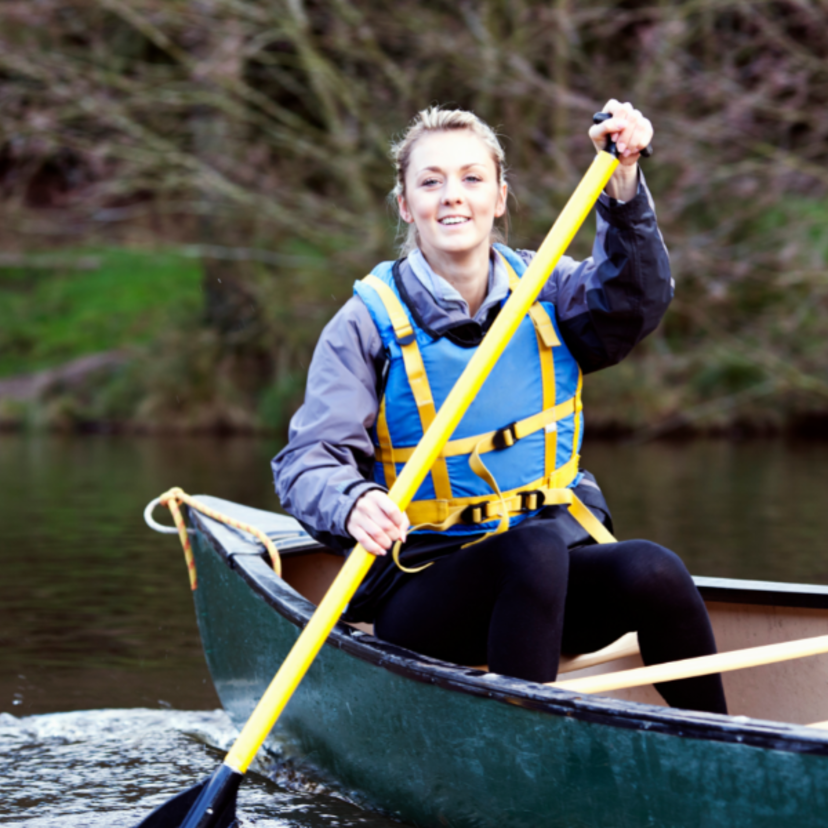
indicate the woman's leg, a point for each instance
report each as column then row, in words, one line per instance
column 639, row 586
column 499, row 602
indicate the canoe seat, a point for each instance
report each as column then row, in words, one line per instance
column 625, row 646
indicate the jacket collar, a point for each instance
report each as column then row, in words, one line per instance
column 438, row 312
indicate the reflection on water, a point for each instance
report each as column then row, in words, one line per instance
column 757, row 509
column 97, row 613
column 96, row 608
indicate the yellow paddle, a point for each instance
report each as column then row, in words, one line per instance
column 211, row 804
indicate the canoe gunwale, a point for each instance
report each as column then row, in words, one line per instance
column 762, row 593
column 247, row 557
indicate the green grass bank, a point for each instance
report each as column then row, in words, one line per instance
column 117, row 338
column 57, row 307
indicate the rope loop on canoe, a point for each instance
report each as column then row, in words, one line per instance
column 171, row 500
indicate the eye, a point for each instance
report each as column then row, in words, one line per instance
column 474, row 178
column 429, row 182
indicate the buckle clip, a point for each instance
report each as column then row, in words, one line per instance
column 474, row 513
column 505, row 437
column 531, row 500
column 404, row 334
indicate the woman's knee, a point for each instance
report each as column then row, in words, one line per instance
column 534, row 557
column 654, row 570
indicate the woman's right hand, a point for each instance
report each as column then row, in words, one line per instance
column 376, row 522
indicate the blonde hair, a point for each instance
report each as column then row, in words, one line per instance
column 435, row 119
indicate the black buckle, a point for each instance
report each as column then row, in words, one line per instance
column 531, row 500
column 505, row 437
column 474, row 513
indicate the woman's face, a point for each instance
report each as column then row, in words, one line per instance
column 452, row 193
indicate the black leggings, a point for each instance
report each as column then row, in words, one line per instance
column 515, row 601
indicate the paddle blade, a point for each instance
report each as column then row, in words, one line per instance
column 209, row 804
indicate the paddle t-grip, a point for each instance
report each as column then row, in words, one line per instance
column 599, row 118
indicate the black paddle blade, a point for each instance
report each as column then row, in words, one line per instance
column 209, row 804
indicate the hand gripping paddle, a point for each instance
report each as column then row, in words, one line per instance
column 599, row 118
column 212, row 802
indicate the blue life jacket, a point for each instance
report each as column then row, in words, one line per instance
column 516, row 448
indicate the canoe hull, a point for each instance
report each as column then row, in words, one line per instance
column 433, row 747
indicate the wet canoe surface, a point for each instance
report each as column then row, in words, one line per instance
column 434, row 744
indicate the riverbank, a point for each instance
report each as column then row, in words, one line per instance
column 121, row 340
column 87, row 395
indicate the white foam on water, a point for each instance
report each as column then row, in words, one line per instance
column 112, row 767
column 210, row 727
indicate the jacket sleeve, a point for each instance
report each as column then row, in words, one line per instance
column 327, row 463
column 608, row 303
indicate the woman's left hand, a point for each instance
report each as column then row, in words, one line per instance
column 632, row 132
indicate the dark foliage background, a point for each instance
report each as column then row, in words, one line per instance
column 253, row 136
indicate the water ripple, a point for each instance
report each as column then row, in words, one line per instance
column 111, row 767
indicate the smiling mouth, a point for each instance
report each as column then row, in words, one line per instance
column 450, row 221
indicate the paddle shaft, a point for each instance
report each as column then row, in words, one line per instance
column 701, row 666
column 402, row 492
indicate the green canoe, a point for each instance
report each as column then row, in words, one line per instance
column 437, row 744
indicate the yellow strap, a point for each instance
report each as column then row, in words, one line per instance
column 547, row 340
column 514, row 279
column 502, row 507
column 396, row 313
column 547, row 361
column 395, row 554
column 479, row 468
column 581, row 512
column 466, row 445
column 434, row 513
column 386, row 448
column 543, row 325
column 576, row 430
column 494, row 508
column 417, row 377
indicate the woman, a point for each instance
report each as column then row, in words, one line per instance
column 461, row 587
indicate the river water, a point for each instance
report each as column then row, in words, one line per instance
column 106, row 706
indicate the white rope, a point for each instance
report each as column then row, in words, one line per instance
column 154, row 525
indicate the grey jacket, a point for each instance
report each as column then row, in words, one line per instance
column 605, row 305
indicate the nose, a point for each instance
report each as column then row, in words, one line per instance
column 452, row 191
